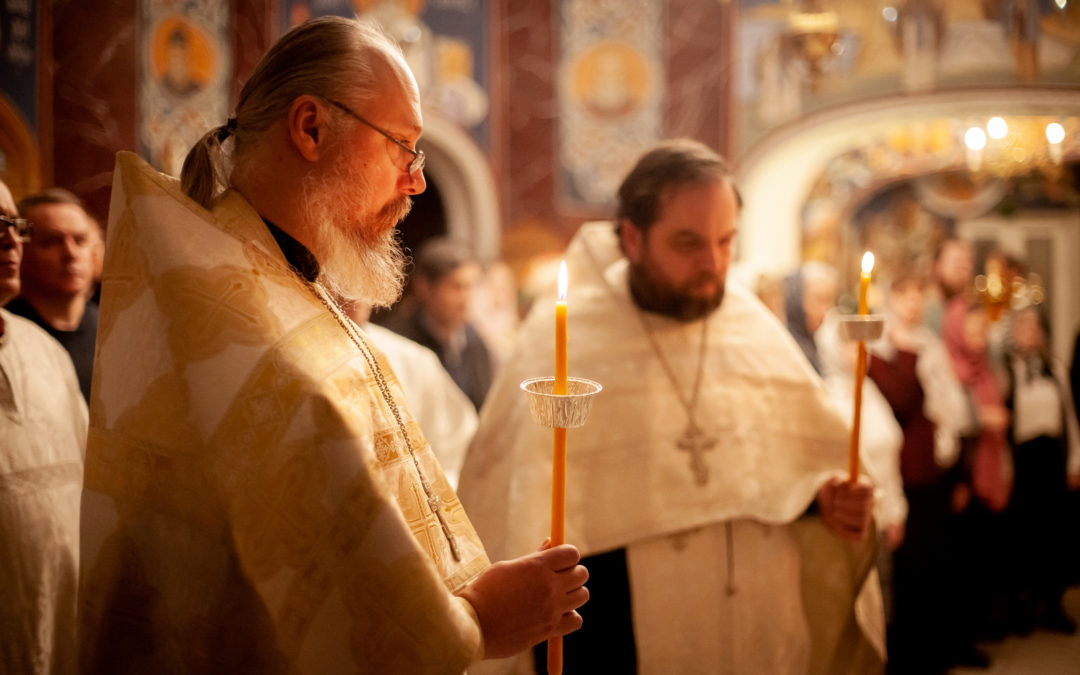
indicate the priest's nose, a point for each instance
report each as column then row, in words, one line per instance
column 412, row 183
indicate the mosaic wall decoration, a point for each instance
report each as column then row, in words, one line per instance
column 185, row 62
column 610, row 92
column 18, row 95
column 444, row 41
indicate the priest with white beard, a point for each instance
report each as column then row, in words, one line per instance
column 258, row 496
column 707, row 487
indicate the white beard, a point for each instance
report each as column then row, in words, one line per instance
column 358, row 261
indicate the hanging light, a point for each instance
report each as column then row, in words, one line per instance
column 975, row 139
column 997, row 127
column 1055, row 134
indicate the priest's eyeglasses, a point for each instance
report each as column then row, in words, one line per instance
column 21, row 228
column 418, row 156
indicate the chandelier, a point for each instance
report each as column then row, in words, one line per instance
column 811, row 37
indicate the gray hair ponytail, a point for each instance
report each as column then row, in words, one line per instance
column 203, row 172
column 329, row 57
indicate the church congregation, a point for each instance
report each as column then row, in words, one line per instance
column 246, row 429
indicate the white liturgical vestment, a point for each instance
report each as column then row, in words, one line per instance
column 726, row 575
column 42, row 437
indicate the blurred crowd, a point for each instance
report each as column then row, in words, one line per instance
column 970, row 432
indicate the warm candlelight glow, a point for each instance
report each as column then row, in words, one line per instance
column 867, row 262
column 563, row 280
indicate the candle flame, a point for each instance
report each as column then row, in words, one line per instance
column 563, row 282
column 867, row 262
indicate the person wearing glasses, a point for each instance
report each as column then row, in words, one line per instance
column 58, row 275
column 259, row 497
column 42, row 437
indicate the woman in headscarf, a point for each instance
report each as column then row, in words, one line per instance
column 980, row 536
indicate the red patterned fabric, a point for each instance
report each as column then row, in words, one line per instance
column 990, row 482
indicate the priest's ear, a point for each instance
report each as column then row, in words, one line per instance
column 631, row 240
column 308, row 118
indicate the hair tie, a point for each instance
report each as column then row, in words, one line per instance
column 226, row 130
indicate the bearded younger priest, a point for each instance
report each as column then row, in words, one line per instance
column 258, row 497
column 707, row 487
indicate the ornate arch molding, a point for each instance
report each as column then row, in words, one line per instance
column 776, row 174
column 466, row 184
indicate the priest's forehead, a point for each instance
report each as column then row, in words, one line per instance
column 664, row 170
column 672, row 189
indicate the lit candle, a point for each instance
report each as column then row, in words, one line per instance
column 860, row 369
column 560, row 333
column 864, row 282
column 558, row 461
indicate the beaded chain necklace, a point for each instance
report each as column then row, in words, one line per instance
column 351, row 329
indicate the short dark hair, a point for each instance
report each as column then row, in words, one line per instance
column 52, row 195
column 671, row 164
column 440, row 256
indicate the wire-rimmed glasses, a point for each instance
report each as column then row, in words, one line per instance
column 418, row 156
column 20, row 227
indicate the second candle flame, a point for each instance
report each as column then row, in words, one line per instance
column 867, row 262
column 563, row 280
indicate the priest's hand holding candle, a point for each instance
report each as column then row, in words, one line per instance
column 518, row 602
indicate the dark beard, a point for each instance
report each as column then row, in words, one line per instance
column 653, row 294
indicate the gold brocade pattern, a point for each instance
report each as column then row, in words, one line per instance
column 125, row 281
column 240, row 440
column 209, row 310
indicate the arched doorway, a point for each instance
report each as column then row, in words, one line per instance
column 460, row 200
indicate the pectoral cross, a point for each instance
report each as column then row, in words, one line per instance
column 436, row 507
column 695, row 442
